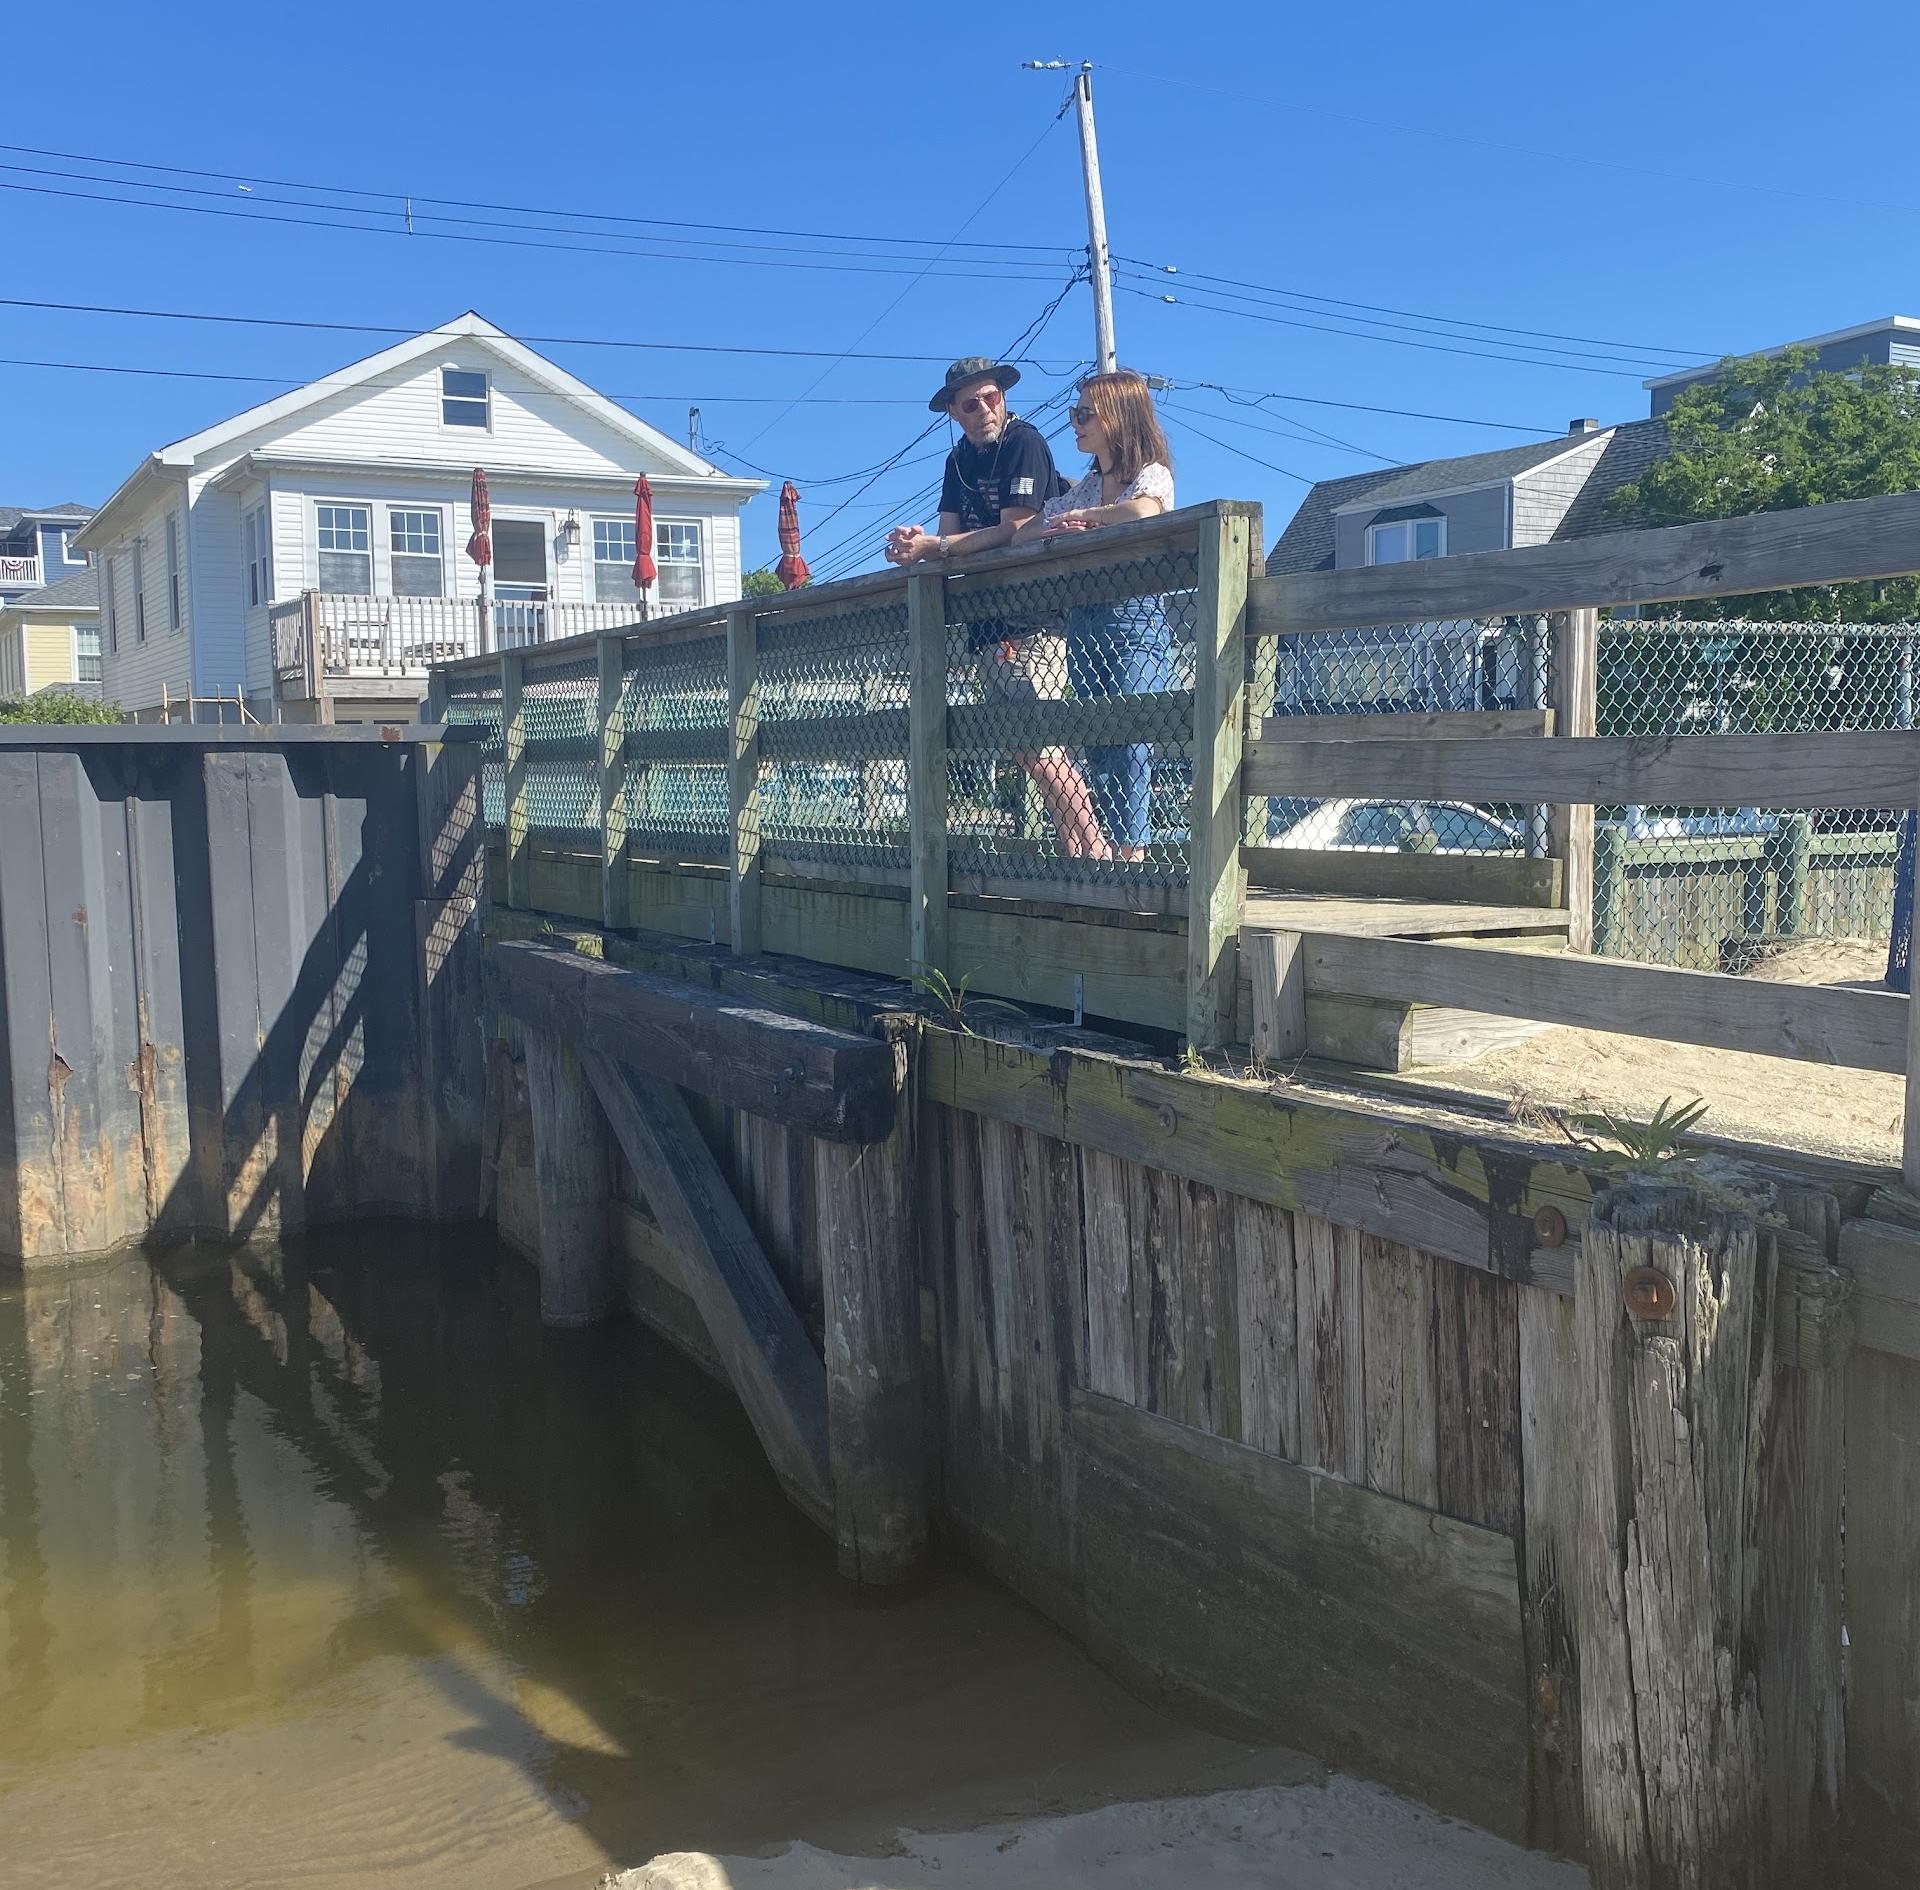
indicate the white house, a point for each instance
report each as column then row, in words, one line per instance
column 310, row 553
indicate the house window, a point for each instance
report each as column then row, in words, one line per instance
column 676, row 548
column 463, row 397
column 413, row 538
column 345, row 534
column 139, row 590
column 613, row 555
column 67, row 551
column 173, row 572
column 86, row 653
column 1407, row 539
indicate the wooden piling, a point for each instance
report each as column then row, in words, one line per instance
column 574, row 1175
column 1673, row 1332
column 876, row 1437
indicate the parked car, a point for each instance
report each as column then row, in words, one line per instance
column 1372, row 826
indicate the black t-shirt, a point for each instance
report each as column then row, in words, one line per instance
column 1016, row 473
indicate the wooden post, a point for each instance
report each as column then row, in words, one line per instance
column 316, row 660
column 1673, row 1328
column 871, row 1292
column 743, row 777
column 1793, row 874
column 1606, row 906
column 610, row 715
column 436, row 705
column 1278, row 972
column 513, row 742
column 927, row 771
column 1216, row 881
column 1576, row 646
column 1910, row 1139
column 575, row 1180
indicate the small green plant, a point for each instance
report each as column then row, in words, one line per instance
column 58, row 705
column 1648, row 1148
column 954, row 1005
column 1191, row 1060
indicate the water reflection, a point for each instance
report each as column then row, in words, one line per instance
column 346, row 1517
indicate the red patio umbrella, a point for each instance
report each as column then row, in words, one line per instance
column 792, row 569
column 645, row 571
column 480, row 545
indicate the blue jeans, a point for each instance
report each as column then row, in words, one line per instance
column 1120, row 650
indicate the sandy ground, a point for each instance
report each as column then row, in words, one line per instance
column 1854, row 1114
column 1338, row 1836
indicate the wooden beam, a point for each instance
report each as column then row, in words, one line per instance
column 1279, row 997
column 927, row 772
column 756, row 1331
column 1878, row 768
column 1885, row 1263
column 1823, row 544
column 1432, row 725
column 513, row 743
column 1576, row 672
column 575, row 1181
column 1494, row 879
column 1860, row 1030
column 1216, row 881
column 611, row 728
column 828, row 1082
column 743, row 778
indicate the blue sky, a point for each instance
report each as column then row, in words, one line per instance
column 1665, row 183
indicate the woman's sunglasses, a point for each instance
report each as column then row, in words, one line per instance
column 1082, row 416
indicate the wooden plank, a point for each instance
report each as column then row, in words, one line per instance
column 1112, row 1356
column 1863, row 768
column 1823, row 544
column 611, row 727
column 1883, row 1611
column 1424, row 725
column 1265, row 1320
column 997, row 727
column 769, row 1359
column 743, row 780
column 1576, row 686
column 927, row 778
column 513, row 739
column 1334, row 1618
column 1910, row 1120
column 1862, row 1030
column 1476, row 1375
column 871, row 1286
column 1216, row 882
column 572, row 1169
column 1279, row 982
column 1551, row 1443
column 1494, row 879
column 1396, row 1304
column 1399, row 918
column 1333, row 1413
column 828, row 1082
column 1885, row 1263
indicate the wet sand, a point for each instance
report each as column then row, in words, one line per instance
column 331, row 1566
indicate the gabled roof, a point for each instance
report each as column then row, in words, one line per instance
column 1887, row 325
column 1307, row 544
column 12, row 515
column 79, row 592
column 182, row 454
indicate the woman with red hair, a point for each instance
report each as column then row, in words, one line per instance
column 1118, row 649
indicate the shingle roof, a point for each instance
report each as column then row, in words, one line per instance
column 79, row 592
column 1307, row 542
column 11, row 515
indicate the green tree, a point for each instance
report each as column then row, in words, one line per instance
column 58, row 706
column 761, row 583
column 1772, row 434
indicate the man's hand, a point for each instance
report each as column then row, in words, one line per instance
column 1070, row 522
column 908, row 544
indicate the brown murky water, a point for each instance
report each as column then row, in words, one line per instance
column 329, row 1565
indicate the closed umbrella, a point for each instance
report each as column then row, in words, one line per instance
column 645, row 571
column 792, row 569
column 480, row 545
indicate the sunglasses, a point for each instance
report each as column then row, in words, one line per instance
column 987, row 397
column 1082, row 416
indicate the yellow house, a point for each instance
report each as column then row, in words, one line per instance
column 50, row 639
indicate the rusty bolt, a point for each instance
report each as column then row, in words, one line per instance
column 1550, row 1226
column 1167, row 1119
column 1650, row 1294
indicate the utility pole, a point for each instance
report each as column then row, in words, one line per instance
column 693, row 429
column 1099, row 258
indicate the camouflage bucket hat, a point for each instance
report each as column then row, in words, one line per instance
column 972, row 367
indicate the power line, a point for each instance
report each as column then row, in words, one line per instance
column 544, row 341
column 404, row 197
column 1309, row 437
column 1240, row 452
column 1254, row 396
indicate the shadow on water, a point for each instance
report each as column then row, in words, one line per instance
column 236, row 1488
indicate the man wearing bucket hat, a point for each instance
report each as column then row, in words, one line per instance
column 999, row 474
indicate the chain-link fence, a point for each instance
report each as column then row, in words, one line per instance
column 673, row 707
column 834, row 692
column 1462, row 663
column 559, row 710
column 1070, row 734
column 1717, row 888
column 473, row 701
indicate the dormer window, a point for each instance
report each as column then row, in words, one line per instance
column 463, row 398
column 1407, row 539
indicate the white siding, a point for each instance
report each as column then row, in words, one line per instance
column 217, row 579
column 1541, row 498
column 137, row 674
